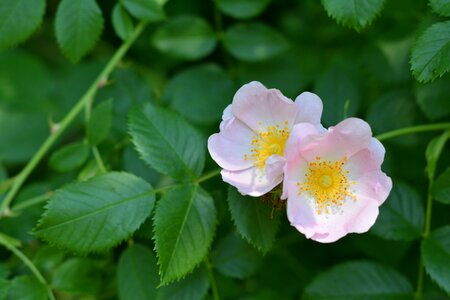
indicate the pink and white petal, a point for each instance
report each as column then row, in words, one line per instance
column 301, row 214
column 357, row 217
column 375, row 185
column 366, row 160
column 227, row 112
column 229, row 147
column 252, row 181
column 257, row 106
column 349, row 137
column 310, row 108
column 301, row 135
column 274, row 166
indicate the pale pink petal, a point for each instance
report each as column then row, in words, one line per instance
column 228, row 148
column 252, row 181
column 366, row 160
column 300, row 137
column 375, row 185
column 350, row 136
column 227, row 113
column 309, row 108
column 274, row 166
column 259, row 107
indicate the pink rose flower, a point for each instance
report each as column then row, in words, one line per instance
column 333, row 179
column 253, row 134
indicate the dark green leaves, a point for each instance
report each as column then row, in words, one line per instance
column 433, row 152
column 166, row 142
column 254, row 42
column 359, row 280
column 78, row 26
column 201, row 93
column 356, row 14
column 18, row 20
column 186, row 37
column 441, row 188
column 236, row 258
column 430, row 56
column 253, row 220
column 193, row 286
column 401, row 216
column 97, row 214
column 242, row 8
column 441, row 7
column 185, row 221
column 99, row 123
column 145, row 10
column 433, row 98
column 69, row 157
column 122, row 22
column 78, row 276
column 436, row 256
column 137, row 274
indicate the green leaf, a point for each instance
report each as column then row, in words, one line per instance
column 137, row 274
column 69, row 157
column 201, row 93
column 432, row 98
column 242, row 9
column 185, row 221
column 359, row 280
column 18, row 20
column 254, row 42
column 436, row 256
column 401, row 216
column 145, row 10
column 89, row 216
column 441, row 7
column 122, row 22
column 356, row 14
column 193, row 286
column 236, row 258
column 78, row 26
column 99, row 123
column 441, row 187
column 433, row 152
column 253, row 220
column 186, row 37
column 4, row 288
column 77, row 276
column 430, row 57
column 335, row 86
column 27, row 288
column 166, row 142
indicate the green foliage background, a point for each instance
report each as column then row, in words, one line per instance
column 122, row 201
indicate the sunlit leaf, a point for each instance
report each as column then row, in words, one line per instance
column 89, row 216
column 185, row 221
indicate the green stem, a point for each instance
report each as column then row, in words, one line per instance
column 212, row 279
column 99, row 160
column 31, row 202
column 68, row 119
column 208, row 175
column 29, row 264
column 413, row 129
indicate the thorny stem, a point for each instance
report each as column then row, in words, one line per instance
column 68, row 119
column 29, row 264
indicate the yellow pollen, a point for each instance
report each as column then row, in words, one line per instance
column 267, row 142
column 326, row 181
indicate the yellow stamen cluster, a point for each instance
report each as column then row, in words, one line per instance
column 267, row 142
column 326, row 181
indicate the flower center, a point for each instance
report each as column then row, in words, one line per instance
column 266, row 142
column 326, row 181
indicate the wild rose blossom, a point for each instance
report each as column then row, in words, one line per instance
column 333, row 179
column 253, row 134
